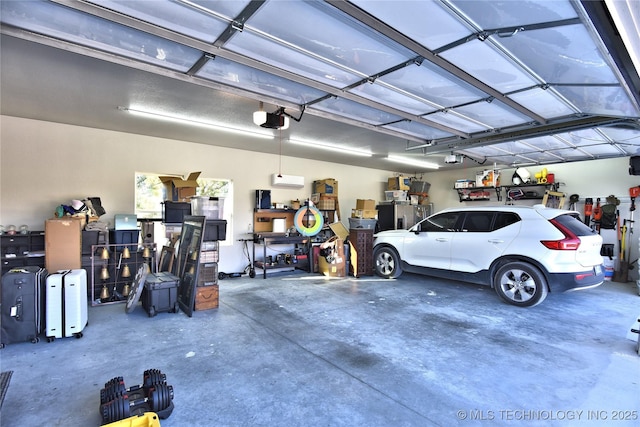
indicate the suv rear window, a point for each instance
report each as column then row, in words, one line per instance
column 505, row 218
column 486, row 221
column 574, row 224
column 478, row 221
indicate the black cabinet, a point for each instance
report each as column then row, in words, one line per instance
column 20, row 250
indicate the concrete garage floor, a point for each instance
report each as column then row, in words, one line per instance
column 301, row 350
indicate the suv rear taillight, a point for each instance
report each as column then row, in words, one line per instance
column 569, row 243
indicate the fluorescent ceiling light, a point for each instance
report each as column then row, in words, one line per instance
column 413, row 162
column 332, row 147
column 192, row 122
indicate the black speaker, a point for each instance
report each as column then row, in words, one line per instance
column 634, row 165
column 263, row 199
column 147, row 229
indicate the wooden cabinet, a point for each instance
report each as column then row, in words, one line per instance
column 263, row 221
column 362, row 241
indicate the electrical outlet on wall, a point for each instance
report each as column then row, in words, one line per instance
column 250, row 227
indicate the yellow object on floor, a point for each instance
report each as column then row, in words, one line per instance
column 148, row 419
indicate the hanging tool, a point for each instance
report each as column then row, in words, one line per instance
column 588, row 209
column 618, row 273
column 624, row 265
column 597, row 215
column 573, row 201
column 633, row 193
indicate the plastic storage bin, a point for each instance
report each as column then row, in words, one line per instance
column 160, row 293
column 215, row 229
column 209, row 207
column 174, row 212
column 362, row 223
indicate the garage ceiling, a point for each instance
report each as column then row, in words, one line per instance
column 506, row 82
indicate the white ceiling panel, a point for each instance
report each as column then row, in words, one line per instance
column 544, row 101
column 487, row 64
column 507, row 82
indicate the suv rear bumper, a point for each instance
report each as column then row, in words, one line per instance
column 563, row 282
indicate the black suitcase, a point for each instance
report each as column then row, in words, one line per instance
column 160, row 293
column 23, row 293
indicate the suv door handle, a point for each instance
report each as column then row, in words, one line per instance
column 442, row 239
column 496, row 241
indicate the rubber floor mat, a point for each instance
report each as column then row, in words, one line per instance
column 5, row 378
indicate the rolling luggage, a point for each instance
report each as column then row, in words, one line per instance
column 22, row 303
column 66, row 305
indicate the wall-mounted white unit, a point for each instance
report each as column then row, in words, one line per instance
column 290, row 181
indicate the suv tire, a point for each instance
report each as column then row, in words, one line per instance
column 387, row 262
column 520, row 284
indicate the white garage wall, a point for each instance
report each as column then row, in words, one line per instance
column 45, row 164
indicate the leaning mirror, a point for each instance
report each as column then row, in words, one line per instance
column 188, row 261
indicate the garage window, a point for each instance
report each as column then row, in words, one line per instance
column 149, row 195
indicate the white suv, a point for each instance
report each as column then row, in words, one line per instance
column 522, row 252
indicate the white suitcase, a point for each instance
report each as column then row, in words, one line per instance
column 66, row 304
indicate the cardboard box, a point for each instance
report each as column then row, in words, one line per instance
column 365, row 204
column 336, row 268
column 326, row 204
column 488, row 178
column 339, row 230
column 63, row 243
column 399, row 183
column 326, row 186
column 364, row 213
column 464, row 183
column 178, row 189
column 395, row 196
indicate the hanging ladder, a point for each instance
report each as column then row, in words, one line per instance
column 553, row 199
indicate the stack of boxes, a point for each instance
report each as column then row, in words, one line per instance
column 178, row 191
column 403, row 189
column 207, row 292
column 364, row 215
column 397, row 189
column 325, row 194
column 365, row 209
